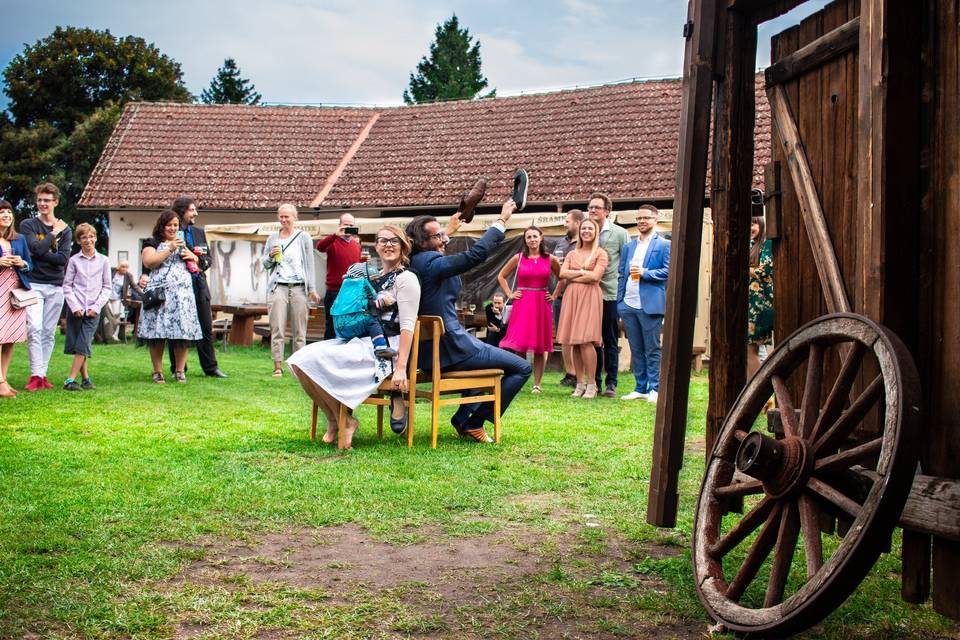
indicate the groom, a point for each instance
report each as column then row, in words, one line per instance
column 460, row 351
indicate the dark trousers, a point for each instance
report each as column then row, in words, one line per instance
column 608, row 356
column 205, row 350
column 328, row 298
column 643, row 334
column 516, row 371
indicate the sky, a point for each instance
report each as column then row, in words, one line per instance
column 361, row 52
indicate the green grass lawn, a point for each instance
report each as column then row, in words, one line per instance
column 108, row 497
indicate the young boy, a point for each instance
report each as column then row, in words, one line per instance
column 86, row 288
column 383, row 299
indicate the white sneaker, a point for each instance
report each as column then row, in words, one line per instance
column 652, row 397
column 634, row 395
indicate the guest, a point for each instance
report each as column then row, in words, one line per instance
column 86, row 289
column 132, row 299
column 760, row 309
column 338, row 372
column 343, row 250
column 14, row 265
column 166, row 255
column 642, row 300
column 532, row 314
column 612, row 239
column 50, row 241
column 582, row 312
column 196, row 242
column 288, row 258
column 113, row 312
column 440, row 275
column 496, row 320
column 565, row 245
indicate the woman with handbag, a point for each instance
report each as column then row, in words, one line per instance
column 169, row 310
column 14, row 296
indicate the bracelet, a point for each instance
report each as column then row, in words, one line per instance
column 502, row 221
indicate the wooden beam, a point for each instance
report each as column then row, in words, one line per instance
column 763, row 10
column 682, row 288
column 732, row 180
column 815, row 222
column 772, row 211
column 822, row 50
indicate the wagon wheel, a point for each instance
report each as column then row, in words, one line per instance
column 792, row 480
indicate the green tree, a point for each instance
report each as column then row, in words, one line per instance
column 227, row 87
column 451, row 71
column 66, row 94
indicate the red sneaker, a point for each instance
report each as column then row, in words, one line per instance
column 35, row 383
column 46, row 383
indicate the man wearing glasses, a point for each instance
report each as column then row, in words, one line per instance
column 612, row 239
column 50, row 242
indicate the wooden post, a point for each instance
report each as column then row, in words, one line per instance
column 682, row 285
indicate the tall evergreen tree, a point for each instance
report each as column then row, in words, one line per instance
column 452, row 70
column 227, row 87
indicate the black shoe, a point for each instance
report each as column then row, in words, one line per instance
column 385, row 353
column 569, row 380
column 397, row 425
column 520, row 189
column 471, row 199
column 87, row 385
column 216, row 373
column 610, row 392
column 71, row 386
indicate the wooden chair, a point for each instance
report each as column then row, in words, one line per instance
column 381, row 398
column 455, row 382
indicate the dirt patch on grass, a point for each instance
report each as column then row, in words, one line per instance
column 516, row 582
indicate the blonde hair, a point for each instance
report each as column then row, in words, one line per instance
column 405, row 247
column 84, row 229
column 289, row 207
column 594, row 246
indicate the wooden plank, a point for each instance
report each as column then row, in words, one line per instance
column 682, row 286
column 763, row 10
column 915, row 574
column 772, row 194
column 825, row 48
column 735, row 113
column 813, row 217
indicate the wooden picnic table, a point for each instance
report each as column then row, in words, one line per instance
column 244, row 315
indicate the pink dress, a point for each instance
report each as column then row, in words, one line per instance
column 531, row 317
column 13, row 322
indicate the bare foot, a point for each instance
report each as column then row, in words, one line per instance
column 348, row 431
column 331, row 435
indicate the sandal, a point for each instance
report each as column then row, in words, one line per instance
column 9, row 393
column 535, row 390
column 158, row 377
column 277, row 372
column 180, row 376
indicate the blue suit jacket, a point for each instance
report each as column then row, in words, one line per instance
column 440, row 285
column 656, row 265
column 19, row 247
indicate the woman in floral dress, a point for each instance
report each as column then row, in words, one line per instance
column 760, row 311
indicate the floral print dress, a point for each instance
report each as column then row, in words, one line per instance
column 760, row 310
column 176, row 318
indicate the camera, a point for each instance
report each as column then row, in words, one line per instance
column 353, row 231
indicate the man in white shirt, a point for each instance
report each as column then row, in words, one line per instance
column 641, row 301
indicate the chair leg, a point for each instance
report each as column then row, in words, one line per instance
column 313, row 423
column 379, row 422
column 410, row 406
column 341, row 426
column 496, row 411
column 434, row 421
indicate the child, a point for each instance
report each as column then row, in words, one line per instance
column 86, row 288
column 381, row 301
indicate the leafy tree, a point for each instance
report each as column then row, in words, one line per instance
column 452, row 71
column 227, row 87
column 73, row 72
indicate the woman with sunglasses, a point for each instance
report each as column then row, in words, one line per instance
column 338, row 372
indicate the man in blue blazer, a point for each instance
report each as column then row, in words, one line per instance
column 642, row 300
column 440, row 285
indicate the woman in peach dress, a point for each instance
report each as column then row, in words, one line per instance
column 582, row 309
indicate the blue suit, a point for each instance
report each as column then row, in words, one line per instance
column 459, row 351
column 18, row 247
column 643, row 326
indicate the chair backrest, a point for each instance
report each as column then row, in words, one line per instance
column 431, row 328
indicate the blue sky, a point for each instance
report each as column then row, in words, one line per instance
column 356, row 52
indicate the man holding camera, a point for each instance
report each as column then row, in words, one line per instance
column 342, row 249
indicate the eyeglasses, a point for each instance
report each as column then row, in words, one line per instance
column 438, row 235
column 393, row 242
column 648, row 217
column 596, row 207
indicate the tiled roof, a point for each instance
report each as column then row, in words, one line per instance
column 620, row 138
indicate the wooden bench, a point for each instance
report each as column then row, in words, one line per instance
column 316, row 325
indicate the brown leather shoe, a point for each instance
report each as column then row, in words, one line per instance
column 471, row 199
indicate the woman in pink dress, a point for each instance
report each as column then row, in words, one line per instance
column 530, row 328
column 14, row 263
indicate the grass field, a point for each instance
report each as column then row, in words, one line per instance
column 204, row 511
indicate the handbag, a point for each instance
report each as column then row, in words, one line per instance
column 21, row 298
column 153, row 298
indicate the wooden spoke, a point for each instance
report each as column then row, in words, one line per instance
column 810, row 404
column 834, row 497
column 851, row 417
column 840, row 391
column 739, row 489
column 747, row 525
column 848, row 458
column 783, row 556
column 812, row 544
column 758, row 553
column 787, row 413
